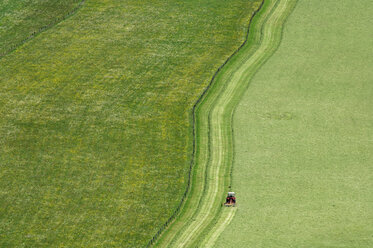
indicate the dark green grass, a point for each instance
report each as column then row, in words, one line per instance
column 95, row 128
column 21, row 18
column 304, row 135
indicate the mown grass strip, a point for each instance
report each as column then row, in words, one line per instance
column 214, row 136
column 270, row 41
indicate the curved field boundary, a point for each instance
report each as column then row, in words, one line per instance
column 191, row 176
column 43, row 29
column 202, row 218
column 242, row 73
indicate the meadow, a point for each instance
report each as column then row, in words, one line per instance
column 303, row 135
column 95, row 115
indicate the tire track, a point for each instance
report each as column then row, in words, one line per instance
column 200, row 227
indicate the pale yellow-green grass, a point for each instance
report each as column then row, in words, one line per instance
column 303, row 135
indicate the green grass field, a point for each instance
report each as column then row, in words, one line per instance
column 303, row 135
column 21, row 18
column 95, row 116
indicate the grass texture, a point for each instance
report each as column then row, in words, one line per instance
column 20, row 19
column 303, row 135
column 95, row 119
column 203, row 217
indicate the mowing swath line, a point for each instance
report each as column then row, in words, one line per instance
column 219, row 108
column 209, row 242
column 271, row 41
column 240, row 78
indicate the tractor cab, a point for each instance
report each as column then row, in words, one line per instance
column 230, row 201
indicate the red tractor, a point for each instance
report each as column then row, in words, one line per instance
column 230, row 201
